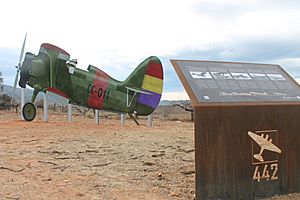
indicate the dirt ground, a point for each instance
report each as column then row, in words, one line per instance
column 82, row 160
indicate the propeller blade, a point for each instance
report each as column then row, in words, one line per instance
column 18, row 71
column 22, row 51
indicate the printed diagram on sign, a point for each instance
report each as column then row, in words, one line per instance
column 265, row 144
column 257, row 76
column 201, row 75
column 221, row 75
column 241, row 76
column 265, row 152
column 276, row 77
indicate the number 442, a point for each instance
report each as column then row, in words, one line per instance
column 258, row 176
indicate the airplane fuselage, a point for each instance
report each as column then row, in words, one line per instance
column 93, row 89
column 51, row 70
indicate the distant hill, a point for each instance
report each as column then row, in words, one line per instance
column 170, row 103
column 28, row 93
column 54, row 99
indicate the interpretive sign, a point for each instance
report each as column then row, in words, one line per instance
column 227, row 82
column 247, row 122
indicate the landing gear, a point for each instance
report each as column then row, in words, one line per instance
column 134, row 118
column 29, row 111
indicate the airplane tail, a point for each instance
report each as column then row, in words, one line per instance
column 144, row 86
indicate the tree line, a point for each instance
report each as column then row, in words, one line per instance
column 4, row 98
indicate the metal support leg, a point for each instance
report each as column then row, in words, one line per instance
column 97, row 117
column 69, row 112
column 122, row 119
column 22, row 101
column 46, row 107
column 150, row 121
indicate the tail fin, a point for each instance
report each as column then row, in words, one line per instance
column 147, row 83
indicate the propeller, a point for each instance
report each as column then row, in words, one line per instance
column 18, row 68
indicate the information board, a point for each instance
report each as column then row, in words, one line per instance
column 229, row 82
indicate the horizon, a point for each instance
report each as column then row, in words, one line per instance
column 172, row 96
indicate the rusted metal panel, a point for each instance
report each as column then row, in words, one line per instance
column 230, row 163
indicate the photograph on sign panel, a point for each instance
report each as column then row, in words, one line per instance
column 241, row 76
column 276, row 77
column 257, row 76
column 221, row 75
column 201, row 75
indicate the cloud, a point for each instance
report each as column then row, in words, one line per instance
column 232, row 10
column 284, row 51
column 262, row 49
column 221, row 10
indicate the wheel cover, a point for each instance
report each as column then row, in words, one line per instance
column 29, row 111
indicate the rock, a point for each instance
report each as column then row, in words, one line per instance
column 159, row 174
column 148, row 163
column 188, row 172
column 174, row 194
column 79, row 194
column 157, row 155
column 46, row 179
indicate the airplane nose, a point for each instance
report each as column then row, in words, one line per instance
column 25, row 68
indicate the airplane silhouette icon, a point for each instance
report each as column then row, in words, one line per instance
column 264, row 143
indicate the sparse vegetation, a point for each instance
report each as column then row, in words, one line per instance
column 187, row 106
column 1, row 82
column 4, row 98
column 4, row 101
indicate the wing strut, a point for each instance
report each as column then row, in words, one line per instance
column 130, row 102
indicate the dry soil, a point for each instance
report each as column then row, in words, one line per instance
column 82, row 160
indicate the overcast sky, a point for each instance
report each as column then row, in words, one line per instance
column 116, row 35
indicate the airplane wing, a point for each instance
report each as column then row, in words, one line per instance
column 263, row 142
column 57, row 91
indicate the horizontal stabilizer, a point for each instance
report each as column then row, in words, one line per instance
column 139, row 90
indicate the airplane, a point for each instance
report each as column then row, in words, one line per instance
column 52, row 70
column 264, row 144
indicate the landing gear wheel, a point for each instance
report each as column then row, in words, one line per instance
column 29, row 111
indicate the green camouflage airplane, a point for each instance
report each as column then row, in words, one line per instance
column 51, row 70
